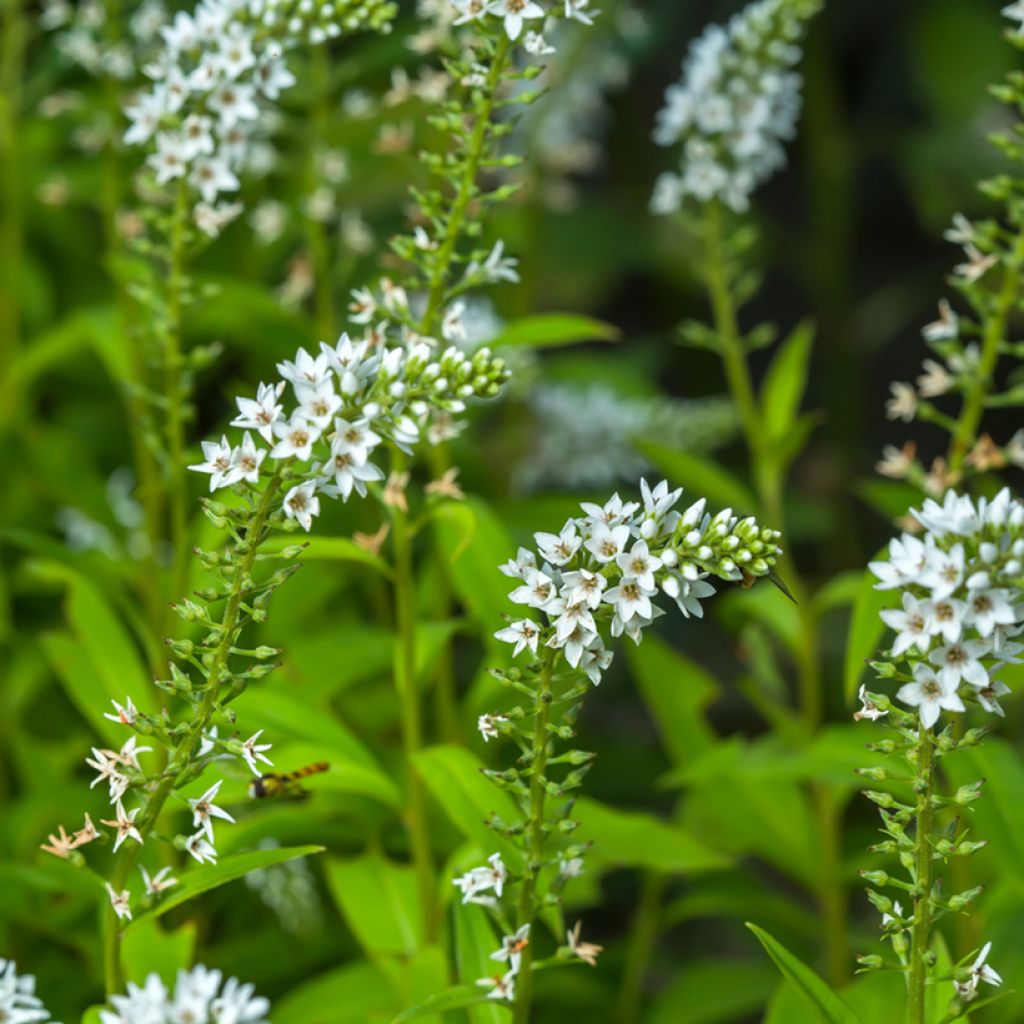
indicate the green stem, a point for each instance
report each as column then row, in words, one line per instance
column 464, row 192
column 769, row 484
column 536, row 834
column 643, row 937
column 407, row 689
column 175, row 394
column 920, row 933
column 184, row 751
column 966, row 431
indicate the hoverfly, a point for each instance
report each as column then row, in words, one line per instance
column 283, row 783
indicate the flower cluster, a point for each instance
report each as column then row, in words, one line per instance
column 586, row 437
column 959, row 363
column 200, row 119
column 349, row 398
column 519, row 16
column 84, row 36
column 18, row 1001
column 960, row 602
column 606, row 569
column 199, row 995
column 735, row 106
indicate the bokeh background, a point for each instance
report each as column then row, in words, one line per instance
column 891, row 143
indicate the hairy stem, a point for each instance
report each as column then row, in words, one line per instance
column 920, row 934
column 407, row 689
column 185, row 750
column 536, row 834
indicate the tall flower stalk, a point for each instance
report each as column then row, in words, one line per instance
column 492, row 54
column 959, row 585
column 600, row 577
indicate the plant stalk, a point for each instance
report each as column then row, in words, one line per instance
column 920, row 934
column 184, row 751
column 407, row 689
column 525, row 911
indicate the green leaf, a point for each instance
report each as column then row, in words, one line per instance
column 677, row 691
column 714, row 992
column 866, row 630
column 832, row 1008
column 474, row 541
column 627, row 839
column 109, row 646
column 455, row 998
column 785, row 383
column 548, row 330
column 839, row 592
column 149, row 949
column 474, row 943
column 704, row 477
column 453, row 776
column 212, row 876
column 353, row 994
column 334, row 549
column 352, row 767
column 379, row 901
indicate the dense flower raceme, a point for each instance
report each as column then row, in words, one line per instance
column 201, row 117
column 348, row 400
column 18, row 1001
column 600, row 575
column 198, row 995
column 961, row 603
column 735, row 106
column 603, row 572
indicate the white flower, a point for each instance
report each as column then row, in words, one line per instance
column 945, row 618
column 261, row 413
column 514, row 13
column 911, row 625
column 980, row 970
column 158, row 883
column 488, row 726
column 198, row 847
column 105, row 764
column 469, row 10
column 945, row 572
column 124, row 823
column 496, row 267
column 319, row 403
column 639, row 565
column 524, row 634
column 218, row 462
column 128, row 755
column 512, row 946
column 946, row 327
column 987, row 609
column 583, row 586
column 903, row 404
column 606, row 542
column 296, row 438
column 305, row 371
column 302, row 504
column 868, row 708
column 120, row 901
column 211, row 176
column 211, row 220
column 170, row 159
column 234, row 102
column 516, row 567
column 355, row 437
column 630, row 598
column 204, row 810
column 253, row 751
column 559, row 548
column 351, row 473
column 126, row 715
column 537, row 591
column 961, row 661
column 536, row 45
column 930, row 694
column 577, row 10
column 988, row 697
column 501, row 986
column 483, row 879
